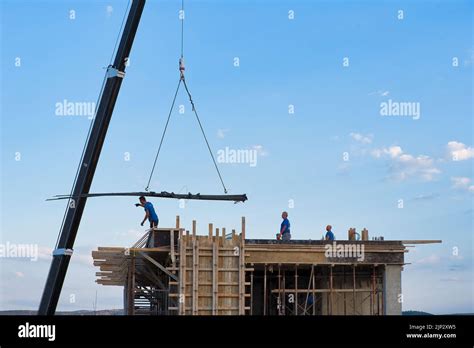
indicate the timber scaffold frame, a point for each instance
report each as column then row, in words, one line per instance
column 173, row 271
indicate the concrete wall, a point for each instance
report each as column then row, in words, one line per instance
column 392, row 290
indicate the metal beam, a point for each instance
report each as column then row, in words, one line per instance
column 163, row 194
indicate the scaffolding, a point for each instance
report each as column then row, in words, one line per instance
column 172, row 271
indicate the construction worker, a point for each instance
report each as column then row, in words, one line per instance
column 329, row 234
column 150, row 213
column 285, row 227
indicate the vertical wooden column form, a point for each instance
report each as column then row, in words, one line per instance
column 314, row 288
column 172, row 250
column 331, row 303
column 283, row 303
column 129, row 288
column 242, row 270
column 132, row 285
column 372, row 295
column 296, row 290
column 251, row 290
column 353, row 288
column 195, row 295
column 265, row 290
column 215, row 272
column 211, row 227
column 182, row 274
column 279, row 290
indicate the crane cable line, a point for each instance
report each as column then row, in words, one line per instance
column 182, row 79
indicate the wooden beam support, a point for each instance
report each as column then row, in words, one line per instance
column 182, row 275
column 265, row 290
column 215, row 275
column 296, row 290
column 159, row 265
column 195, row 296
column 211, row 229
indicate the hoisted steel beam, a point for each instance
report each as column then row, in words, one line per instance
column 163, row 194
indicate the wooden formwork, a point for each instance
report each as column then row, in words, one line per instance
column 174, row 271
column 212, row 273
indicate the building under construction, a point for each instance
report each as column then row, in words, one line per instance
column 174, row 271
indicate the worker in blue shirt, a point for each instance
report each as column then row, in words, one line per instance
column 329, row 234
column 285, row 227
column 150, row 213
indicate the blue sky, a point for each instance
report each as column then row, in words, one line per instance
column 283, row 62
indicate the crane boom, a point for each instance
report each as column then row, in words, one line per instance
column 62, row 253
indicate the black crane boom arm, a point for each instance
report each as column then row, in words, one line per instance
column 62, row 253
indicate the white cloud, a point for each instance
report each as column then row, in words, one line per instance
column 380, row 93
column 132, row 233
column 260, row 150
column 425, row 197
column 404, row 165
column 364, row 139
column 221, row 133
column 430, row 260
column 109, row 9
column 459, row 152
column 46, row 254
column 19, row 274
column 462, row 183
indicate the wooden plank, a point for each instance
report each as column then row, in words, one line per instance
column 304, row 291
column 241, row 278
column 173, row 256
column 211, row 228
column 182, row 274
column 284, row 293
column 314, row 288
column 265, row 290
column 251, row 293
column 159, row 265
column 331, row 292
column 215, row 275
column 354, row 289
column 195, row 276
column 296, row 290
column 132, row 286
column 422, row 241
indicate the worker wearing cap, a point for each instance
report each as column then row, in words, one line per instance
column 285, row 227
column 150, row 213
column 329, row 234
